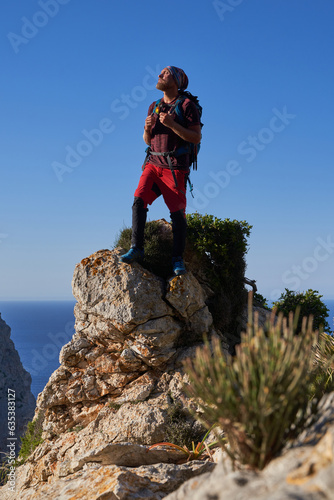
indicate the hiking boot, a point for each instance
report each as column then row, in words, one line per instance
column 178, row 266
column 133, row 255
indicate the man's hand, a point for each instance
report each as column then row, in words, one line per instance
column 150, row 122
column 166, row 120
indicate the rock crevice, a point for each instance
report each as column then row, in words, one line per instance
column 15, row 393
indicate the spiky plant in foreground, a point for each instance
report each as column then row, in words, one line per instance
column 324, row 363
column 260, row 398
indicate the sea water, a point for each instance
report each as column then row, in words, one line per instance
column 40, row 329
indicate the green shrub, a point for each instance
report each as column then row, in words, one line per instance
column 260, row 398
column 309, row 303
column 220, row 247
column 222, row 244
column 32, row 437
column 179, row 429
column 261, row 301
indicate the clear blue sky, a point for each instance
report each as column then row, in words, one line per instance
column 264, row 73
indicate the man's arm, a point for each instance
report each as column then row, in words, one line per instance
column 149, row 124
column 147, row 137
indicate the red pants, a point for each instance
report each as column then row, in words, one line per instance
column 155, row 181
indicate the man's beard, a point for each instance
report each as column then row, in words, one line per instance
column 163, row 85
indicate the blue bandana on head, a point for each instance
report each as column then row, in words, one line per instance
column 179, row 76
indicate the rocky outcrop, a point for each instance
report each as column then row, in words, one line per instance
column 17, row 403
column 124, row 363
column 120, row 376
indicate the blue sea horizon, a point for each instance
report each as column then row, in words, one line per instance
column 39, row 329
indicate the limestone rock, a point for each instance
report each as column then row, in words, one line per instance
column 125, row 295
column 185, row 295
column 129, row 325
column 95, row 482
column 15, row 393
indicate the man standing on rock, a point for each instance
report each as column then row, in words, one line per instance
column 172, row 126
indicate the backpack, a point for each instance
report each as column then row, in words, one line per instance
column 189, row 147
